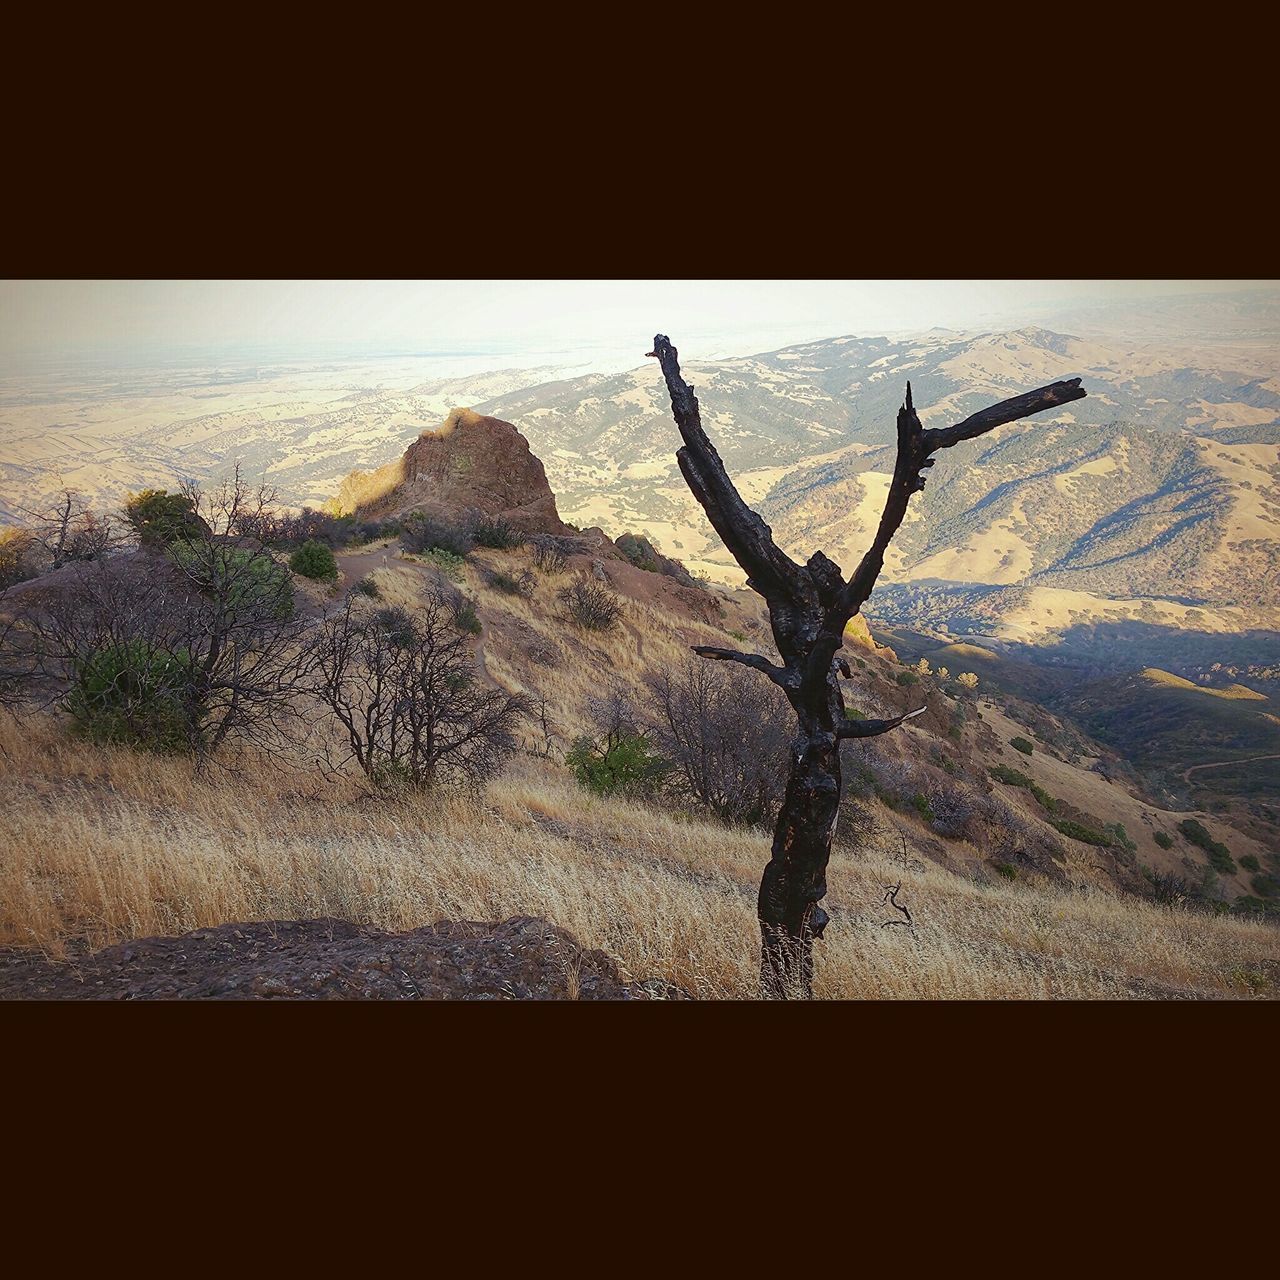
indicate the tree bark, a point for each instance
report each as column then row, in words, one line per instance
column 809, row 607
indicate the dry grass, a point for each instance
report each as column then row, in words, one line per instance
column 101, row 845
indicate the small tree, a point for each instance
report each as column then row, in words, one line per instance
column 406, row 692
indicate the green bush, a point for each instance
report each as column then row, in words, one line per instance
column 130, row 695
column 1021, row 744
column 1265, row 886
column 1119, row 836
column 160, row 517
column 922, row 806
column 1011, row 777
column 1250, row 863
column 626, row 764
column 314, row 560
column 1163, row 839
column 447, row 562
column 1220, row 858
column 1249, row 904
column 1078, row 831
column 367, row 587
column 1007, row 871
column 908, row 678
column 1047, row 802
column 466, row 619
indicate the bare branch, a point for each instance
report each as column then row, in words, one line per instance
column 891, row 899
column 871, row 728
column 744, row 533
column 779, row 675
column 997, row 415
column 915, row 445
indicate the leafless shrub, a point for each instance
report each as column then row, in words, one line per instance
column 406, row 692
column 550, row 554
column 592, row 607
column 67, row 530
column 727, row 740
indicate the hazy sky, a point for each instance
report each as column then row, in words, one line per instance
column 101, row 317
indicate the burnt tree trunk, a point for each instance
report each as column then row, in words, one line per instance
column 809, row 607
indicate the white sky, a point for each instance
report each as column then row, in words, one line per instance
column 159, row 317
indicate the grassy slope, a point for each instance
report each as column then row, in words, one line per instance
column 103, row 845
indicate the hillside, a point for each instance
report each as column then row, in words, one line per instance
column 1125, row 486
column 1031, row 868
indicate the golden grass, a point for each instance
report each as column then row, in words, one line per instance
column 101, row 845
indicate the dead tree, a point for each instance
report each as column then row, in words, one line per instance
column 809, row 607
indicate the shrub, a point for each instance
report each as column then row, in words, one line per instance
column 616, row 755
column 921, row 804
column 1265, row 886
column 727, row 739
column 465, row 617
column 1047, row 802
column 446, row 562
column 1163, row 839
column 1220, row 858
column 967, row 680
column 592, row 607
column 405, row 690
column 550, row 554
column 1078, row 831
column 508, row 585
column 1021, row 744
column 1248, row 904
column 908, row 678
column 130, row 694
column 314, row 560
column 421, row 534
column 1011, row 777
column 497, row 532
column 626, row 765
column 367, row 587
column 160, row 517
column 1005, row 870
column 1119, row 836
column 1250, row 863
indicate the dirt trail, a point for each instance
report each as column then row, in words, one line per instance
column 1219, row 764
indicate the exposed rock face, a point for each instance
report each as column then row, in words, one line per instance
column 469, row 463
column 523, row 959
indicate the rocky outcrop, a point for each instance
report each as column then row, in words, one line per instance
column 522, row 959
column 469, row 463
